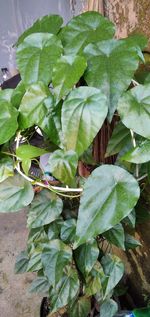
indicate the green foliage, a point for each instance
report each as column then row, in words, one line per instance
column 74, row 79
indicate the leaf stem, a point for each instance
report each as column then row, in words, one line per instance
column 134, row 145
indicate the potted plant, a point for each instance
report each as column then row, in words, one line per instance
column 75, row 78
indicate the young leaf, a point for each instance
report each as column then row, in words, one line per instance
column 86, row 256
column 39, row 285
column 116, row 236
column 6, row 168
column 66, row 74
column 94, row 280
column 66, row 289
column 139, row 154
column 26, row 164
column 80, row 308
column 8, row 119
column 109, row 308
column 114, row 269
column 15, row 194
column 40, row 100
column 47, row 24
column 28, row 151
column 83, row 29
column 63, row 165
column 56, row 255
column 109, row 195
column 45, row 208
column 21, row 262
column 36, row 57
column 68, row 230
column 134, row 110
column 131, row 242
column 83, row 113
column 120, row 137
column 107, row 61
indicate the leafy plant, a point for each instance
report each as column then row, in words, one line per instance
column 74, row 78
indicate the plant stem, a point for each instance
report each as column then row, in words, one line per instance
column 134, row 145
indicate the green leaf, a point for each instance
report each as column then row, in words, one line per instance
column 35, row 263
column 83, row 113
column 66, row 289
column 37, row 235
column 34, row 105
column 36, row 57
column 63, row 165
column 114, row 270
column 94, row 280
column 28, row 151
column 26, row 164
column 15, row 194
column 68, row 230
column 21, row 262
column 139, row 154
column 131, row 242
column 54, row 229
column 111, row 66
column 134, row 110
column 45, row 208
column 6, row 168
column 109, row 308
column 8, row 117
column 120, row 137
column 56, row 255
column 39, row 285
column 66, row 73
column 80, row 308
column 130, row 220
column 83, row 29
column 109, row 195
column 18, row 94
column 46, row 24
column 6, row 94
column 116, row 236
column 51, row 123
column 86, row 256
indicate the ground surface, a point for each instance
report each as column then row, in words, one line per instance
column 15, row 301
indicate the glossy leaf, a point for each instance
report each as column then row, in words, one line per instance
column 39, row 285
column 109, row 308
column 109, row 195
column 45, row 208
column 83, row 113
column 6, row 94
column 66, row 73
column 134, row 110
column 26, row 164
column 63, row 165
column 111, row 66
column 15, row 194
column 120, row 137
column 40, row 99
column 68, row 230
column 46, row 24
column 66, row 289
column 114, row 270
column 28, row 151
column 131, row 242
column 86, row 256
column 94, row 280
column 8, row 117
column 56, row 255
column 18, row 94
column 6, row 168
column 83, row 29
column 37, row 235
column 21, row 262
column 116, row 236
column 80, row 308
column 36, row 57
column 139, row 154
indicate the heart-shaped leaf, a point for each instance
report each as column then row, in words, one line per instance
column 36, row 57
column 134, row 110
column 47, row 24
column 83, row 113
column 109, row 195
column 83, row 29
column 66, row 74
column 15, row 194
column 86, row 256
column 45, row 208
column 139, row 154
column 111, row 66
column 63, row 165
column 56, row 255
column 80, row 308
column 27, row 151
column 39, row 285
